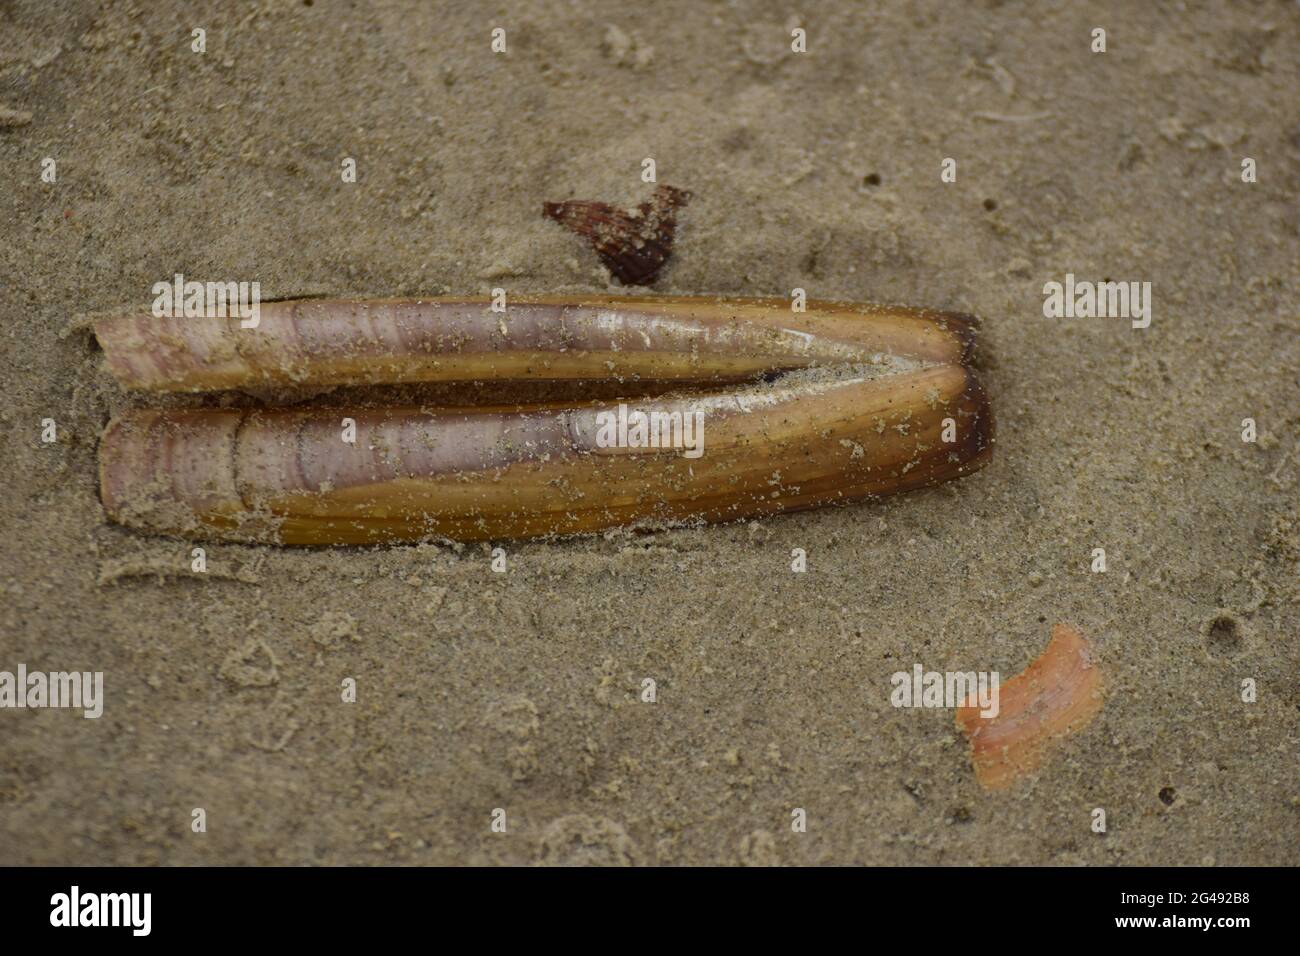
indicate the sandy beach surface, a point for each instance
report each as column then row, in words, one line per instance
column 522, row 691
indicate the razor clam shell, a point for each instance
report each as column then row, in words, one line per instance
column 287, row 477
column 313, row 342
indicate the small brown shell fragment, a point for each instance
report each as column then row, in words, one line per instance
column 1056, row 695
column 633, row 248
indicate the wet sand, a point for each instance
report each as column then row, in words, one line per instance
column 522, row 690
